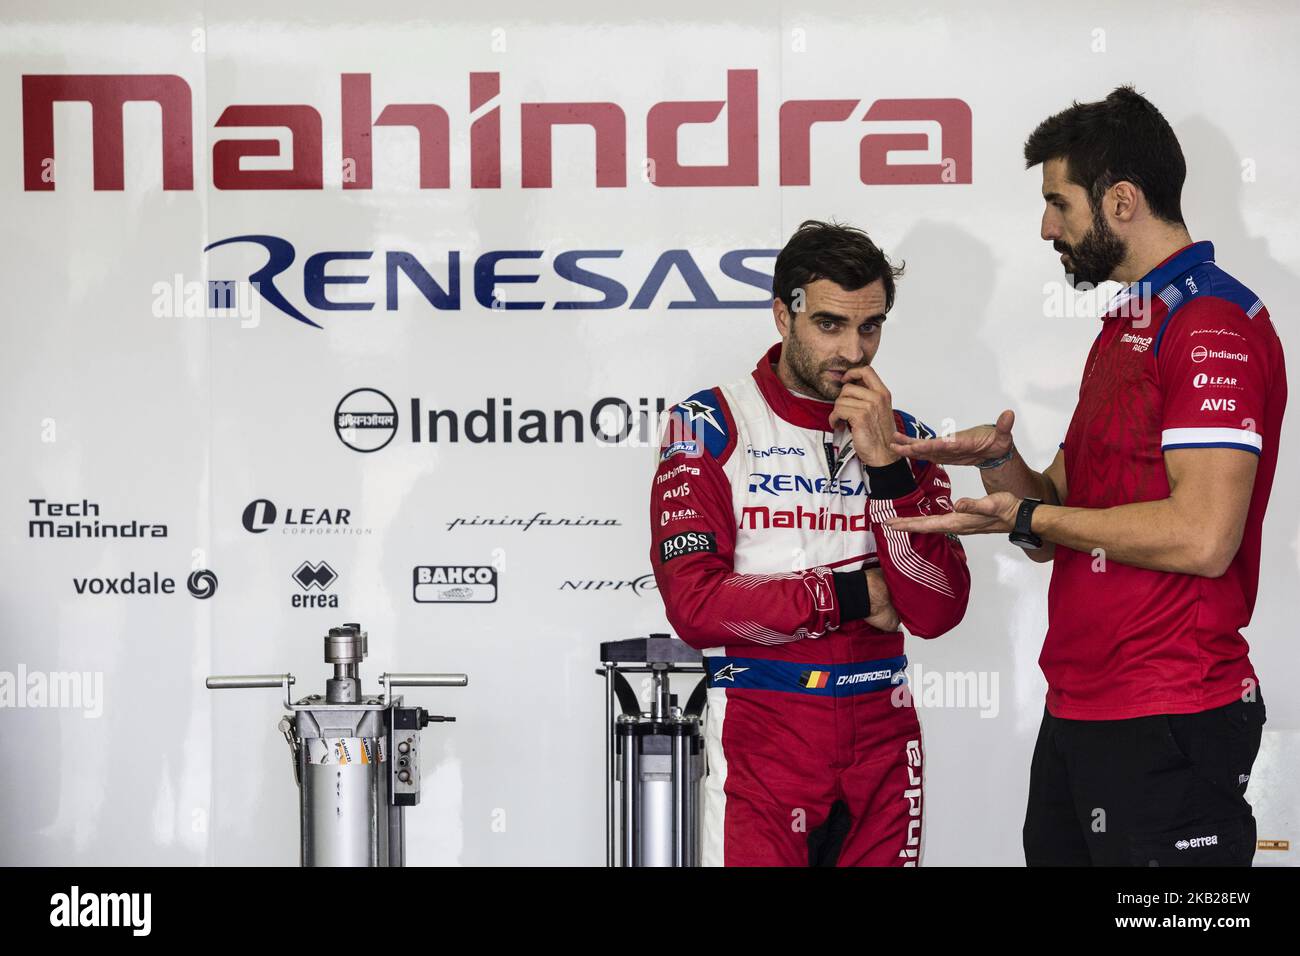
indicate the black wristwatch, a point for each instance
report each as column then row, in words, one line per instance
column 1021, row 535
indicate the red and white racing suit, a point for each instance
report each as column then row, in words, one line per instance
column 762, row 519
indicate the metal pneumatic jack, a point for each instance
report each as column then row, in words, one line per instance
column 653, row 759
column 356, row 757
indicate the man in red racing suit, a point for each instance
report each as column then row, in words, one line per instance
column 765, row 530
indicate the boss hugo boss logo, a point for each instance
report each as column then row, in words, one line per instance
column 454, row 584
column 688, row 542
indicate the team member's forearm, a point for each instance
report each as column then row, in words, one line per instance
column 1018, row 478
column 1023, row 482
column 1157, row 535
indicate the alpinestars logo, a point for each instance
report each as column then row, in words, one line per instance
column 700, row 410
column 728, row 672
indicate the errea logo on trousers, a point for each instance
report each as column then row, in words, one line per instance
column 1197, row 842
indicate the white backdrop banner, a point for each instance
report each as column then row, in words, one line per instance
column 334, row 316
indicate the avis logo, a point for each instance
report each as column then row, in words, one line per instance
column 935, row 131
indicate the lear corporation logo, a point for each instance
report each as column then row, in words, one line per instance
column 365, row 420
column 262, row 515
column 454, row 584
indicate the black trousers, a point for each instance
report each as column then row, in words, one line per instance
column 1166, row 790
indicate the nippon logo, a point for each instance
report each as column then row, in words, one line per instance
column 900, row 142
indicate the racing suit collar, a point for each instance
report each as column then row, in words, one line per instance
column 1172, row 269
column 795, row 409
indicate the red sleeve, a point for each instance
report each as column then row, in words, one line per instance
column 928, row 580
column 693, row 541
column 1213, row 377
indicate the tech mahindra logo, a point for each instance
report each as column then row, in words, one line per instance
column 935, row 132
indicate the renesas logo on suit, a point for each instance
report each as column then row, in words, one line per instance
column 802, row 484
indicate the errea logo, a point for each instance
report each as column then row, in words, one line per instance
column 1197, row 842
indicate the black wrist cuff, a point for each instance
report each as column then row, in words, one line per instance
column 851, row 594
column 891, row 481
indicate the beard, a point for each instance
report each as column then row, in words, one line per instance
column 1096, row 255
column 808, row 371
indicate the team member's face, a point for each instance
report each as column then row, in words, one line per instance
column 834, row 331
column 1090, row 249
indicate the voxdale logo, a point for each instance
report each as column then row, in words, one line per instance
column 899, row 142
column 366, row 420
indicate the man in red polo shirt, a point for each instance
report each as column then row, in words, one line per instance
column 1151, row 513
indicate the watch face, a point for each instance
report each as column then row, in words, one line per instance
column 1028, row 542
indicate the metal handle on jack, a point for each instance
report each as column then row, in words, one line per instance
column 424, row 680
column 247, row 680
column 239, row 681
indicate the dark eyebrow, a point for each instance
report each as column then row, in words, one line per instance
column 822, row 315
column 1053, row 197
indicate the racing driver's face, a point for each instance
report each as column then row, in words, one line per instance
column 834, row 331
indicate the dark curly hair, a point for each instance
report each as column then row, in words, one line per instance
column 1122, row 138
column 827, row 250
